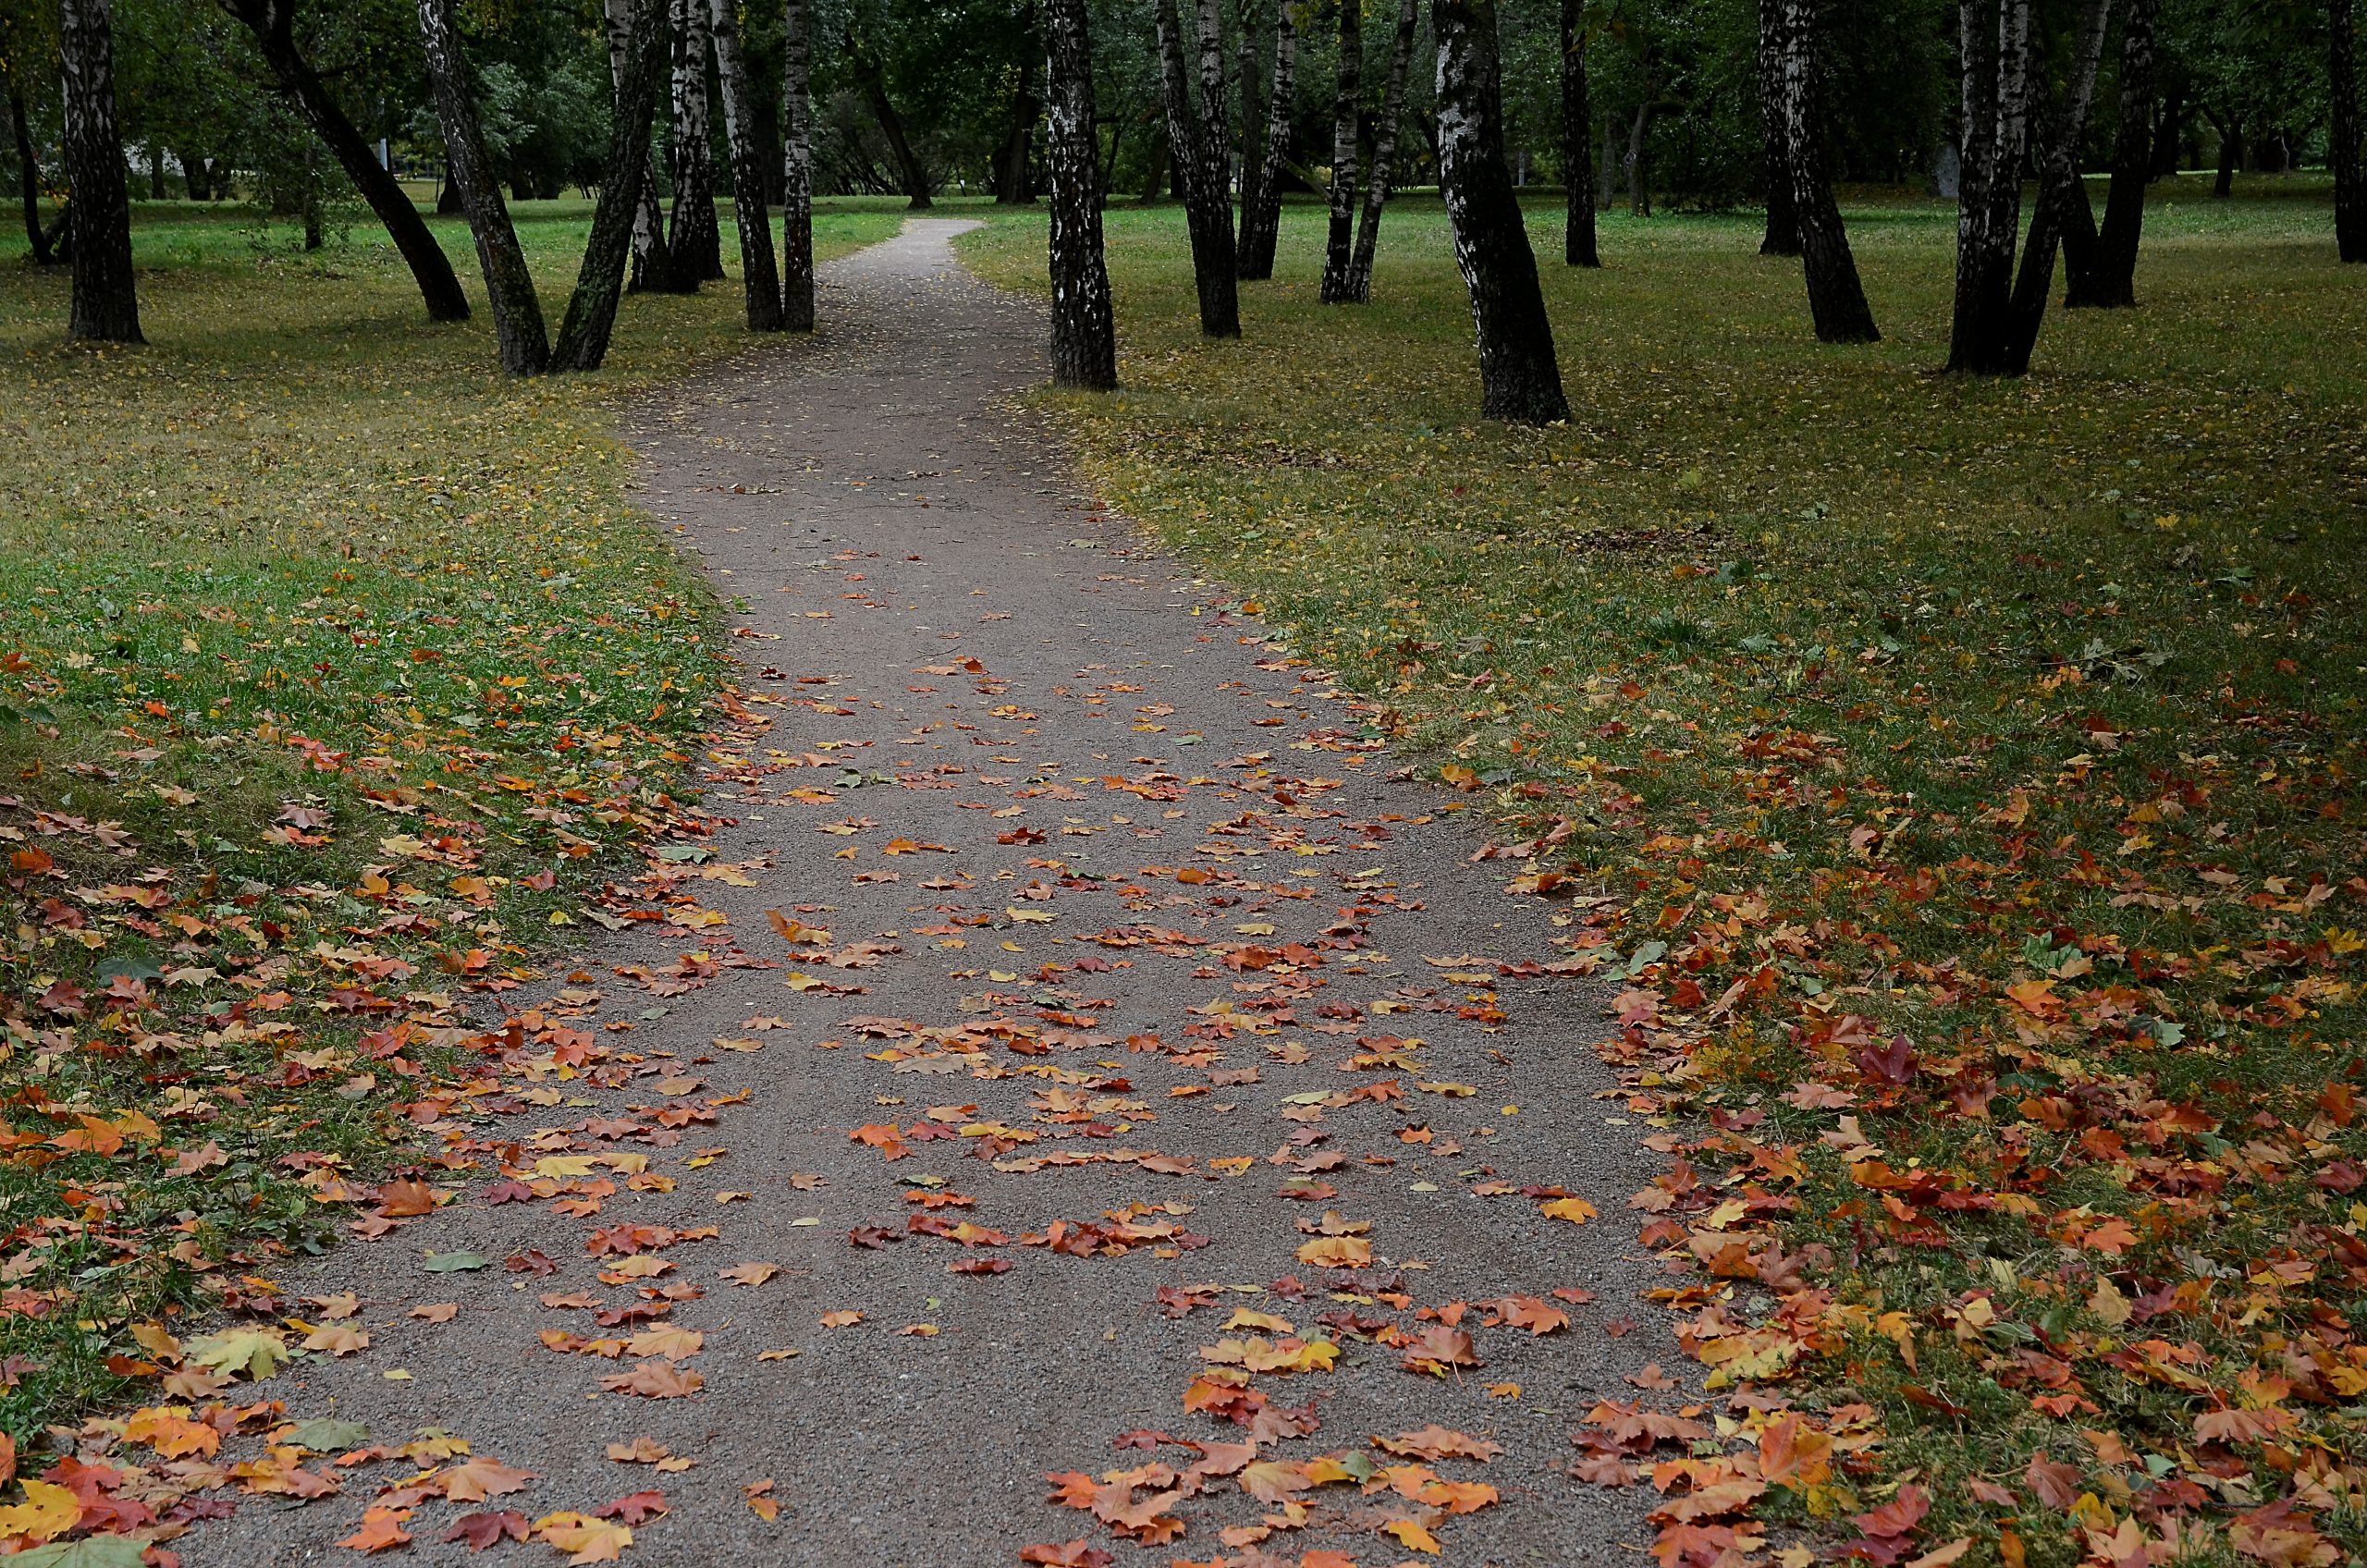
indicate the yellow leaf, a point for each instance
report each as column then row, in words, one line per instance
column 47, row 1513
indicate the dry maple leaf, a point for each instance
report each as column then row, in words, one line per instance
column 1438, row 1442
column 749, row 1273
column 654, row 1379
column 382, row 1529
column 434, row 1312
column 483, row 1530
column 585, row 1539
column 480, row 1478
column 844, row 1318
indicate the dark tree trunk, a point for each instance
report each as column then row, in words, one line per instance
column 592, row 309
column 1519, row 378
column 760, row 280
column 1156, row 181
column 1208, row 206
column 29, row 181
column 106, row 299
column 1384, row 152
column 692, row 233
column 1995, row 39
column 652, row 262
column 797, row 169
column 2110, row 279
column 1011, row 185
column 2231, row 153
column 872, row 78
column 508, row 286
column 1783, row 236
column 2170, row 134
column 1347, row 102
column 1251, row 40
column 447, row 195
column 1638, row 165
column 1577, row 142
column 2349, row 171
column 1085, row 340
column 1836, row 299
column 2060, row 191
column 1261, row 213
column 157, row 191
column 272, row 22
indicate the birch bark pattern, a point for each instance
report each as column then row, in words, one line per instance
column 272, row 24
column 1252, row 38
column 1577, row 142
column 2109, row 281
column 1783, row 236
column 1996, row 62
column 1085, row 340
column 1836, row 298
column 509, row 287
column 1261, row 221
column 760, row 280
column 591, row 310
column 1347, row 101
column 1208, row 207
column 1384, row 150
column 694, row 236
column 1519, row 378
column 2350, row 169
column 653, row 265
column 106, row 299
column 2061, row 197
column 796, row 168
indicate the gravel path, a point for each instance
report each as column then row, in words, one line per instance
column 1123, row 925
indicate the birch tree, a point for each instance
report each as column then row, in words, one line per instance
column 1208, row 205
column 1836, row 298
column 692, row 234
column 2062, row 199
column 1519, row 378
column 105, row 306
column 797, row 168
column 1384, row 151
column 2109, row 280
column 1782, row 236
column 652, row 263
column 1347, row 105
column 2343, row 153
column 1085, row 349
column 1994, row 39
column 760, row 280
column 1261, row 200
column 591, row 317
column 510, row 288
column 1577, row 141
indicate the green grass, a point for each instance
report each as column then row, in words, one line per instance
column 1874, row 694
column 338, row 665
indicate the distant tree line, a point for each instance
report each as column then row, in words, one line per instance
column 662, row 106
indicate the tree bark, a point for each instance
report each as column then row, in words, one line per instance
column 1519, row 378
column 1251, row 39
column 652, row 262
column 2060, row 191
column 2110, row 279
column 1996, row 63
column 1577, row 142
column 1384, row 150
column 272, row 24
column 1782, row 236
column 1347, row 102
column 872, row 78
column 592, row 309
column 1836, row 298
column 2231, row 153
column 1640, row 174
column 1085, row 340
column 1011, row 185
column 106, row 299
column 29, row 180
column 760, row 280
column 692, row 233
column 1208, row 206
column 1261, row 217
column 510, row 288
column 2350, row 170
column 797, row 169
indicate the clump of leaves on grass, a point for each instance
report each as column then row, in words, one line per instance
column 1972, row 769
column 334, row 671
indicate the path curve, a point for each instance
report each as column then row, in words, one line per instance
column 1020, row 681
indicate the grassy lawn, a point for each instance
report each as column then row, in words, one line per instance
column 331, row 666
column 1974, row 768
